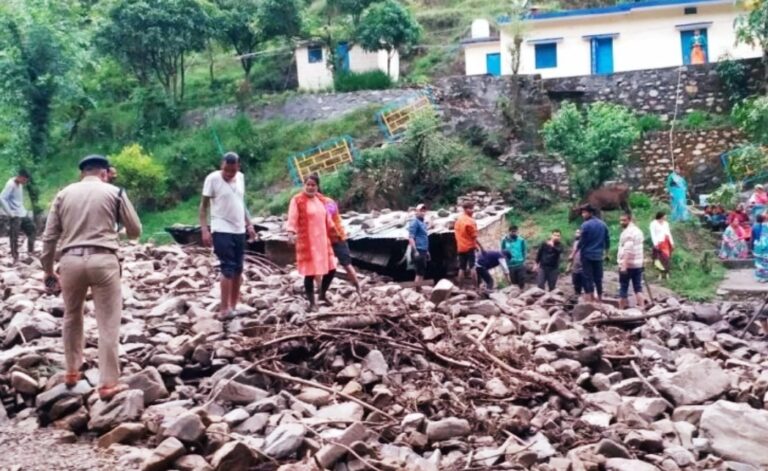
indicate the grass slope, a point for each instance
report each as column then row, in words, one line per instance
column 690, row 277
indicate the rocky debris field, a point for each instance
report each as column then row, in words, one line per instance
column 404, row 379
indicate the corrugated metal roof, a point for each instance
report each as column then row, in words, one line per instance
column 387, row 224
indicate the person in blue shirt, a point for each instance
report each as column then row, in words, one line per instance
column 517, row 247
column 489, row 260
column 593, row 246
column 418, row 239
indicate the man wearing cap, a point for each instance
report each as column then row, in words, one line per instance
column 418, row 239
column 12, row 203
column 224, row 195
column 592, row 247
column 82, row 222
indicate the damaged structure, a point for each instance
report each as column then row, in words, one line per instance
column 378, row 241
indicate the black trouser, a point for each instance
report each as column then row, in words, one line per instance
column 485, row 275
column 578, row 282
column 517, row 275
column 25, row 225
column 592, row 276
column 309, row 286
column 547, row 276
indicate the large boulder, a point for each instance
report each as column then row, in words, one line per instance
column 736, row 431
column 150, row 382
column 127, row 406
column 694, row 382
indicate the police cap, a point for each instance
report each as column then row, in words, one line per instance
column 97, row 161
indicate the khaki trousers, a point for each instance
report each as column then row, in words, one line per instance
column 101, row 273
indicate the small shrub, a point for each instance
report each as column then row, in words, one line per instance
column 154, row 111
column 702, row 120
column 727, row 195
column 747, row 161
column 528, row 197
column 733, row 75
column 752, row 117
column 650, row 122
column 352, row 81
column 142, row 177
column 639, row 201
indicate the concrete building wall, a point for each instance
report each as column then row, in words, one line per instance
column 646, row 38
column 313, row 76
column 475, row 57
column 317, row 76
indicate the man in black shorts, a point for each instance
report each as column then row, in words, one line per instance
column 223, row 194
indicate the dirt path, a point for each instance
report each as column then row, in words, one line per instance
column 24, row 447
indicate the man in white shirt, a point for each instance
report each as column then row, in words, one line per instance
column 630, row 259
column 224, row 195
column 12, row 203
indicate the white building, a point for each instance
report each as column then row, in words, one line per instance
column 315, row 74
column 647, row 34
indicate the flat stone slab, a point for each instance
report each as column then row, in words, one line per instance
column 742, row 282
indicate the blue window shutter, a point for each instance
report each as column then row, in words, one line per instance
column 315, row 54
column 546, row 56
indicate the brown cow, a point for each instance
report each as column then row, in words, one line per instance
column 605, row 198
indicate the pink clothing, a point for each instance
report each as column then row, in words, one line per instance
column 760, row 199
column 314, row 252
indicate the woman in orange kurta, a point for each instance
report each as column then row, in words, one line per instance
column 311, row 225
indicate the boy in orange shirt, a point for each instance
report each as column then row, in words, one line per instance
column 465, row 231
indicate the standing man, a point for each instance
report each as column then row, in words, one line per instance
column 12, row 202
column 465, row 231
column 82, row 222
column 224, row 195
column 418, row 239
column 630, row 259
column 517, row 248
column 548, row 261
column 593, row 246
column 489, row 260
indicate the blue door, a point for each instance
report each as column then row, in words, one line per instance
column 686, row 42
column 342, row 54
column 602, row 55
column 493, row 64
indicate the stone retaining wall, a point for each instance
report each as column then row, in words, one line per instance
column 655, row 91
column 697, row 152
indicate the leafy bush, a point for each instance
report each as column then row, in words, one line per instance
column 141, row 176
column 526, row 196
column 352, row 81
column 593, row 143
column 639, row 201
column 702, row 120
column 752, row 117
column 747, row 161
column 154, row 111
column 733, row 75
column 650, row 122
column 727, row 195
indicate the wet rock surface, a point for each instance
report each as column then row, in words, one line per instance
column 407, row 378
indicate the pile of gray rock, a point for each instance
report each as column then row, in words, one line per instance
column 397, row 381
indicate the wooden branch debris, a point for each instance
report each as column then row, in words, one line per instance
column 529, row 376
column 313, row 384
column 631, row 319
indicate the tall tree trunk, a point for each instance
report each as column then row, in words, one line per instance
column 183, row 77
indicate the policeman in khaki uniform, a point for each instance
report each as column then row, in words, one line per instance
column 82, row 221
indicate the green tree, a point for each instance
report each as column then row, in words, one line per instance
column 153, row 38
column 34, row 63
column 245, row 24
column 752, row 29
column 593, row 143
column 354, row 8
column 751, row 116
column 389, row 26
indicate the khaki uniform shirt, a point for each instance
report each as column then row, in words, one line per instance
column 84, row 214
